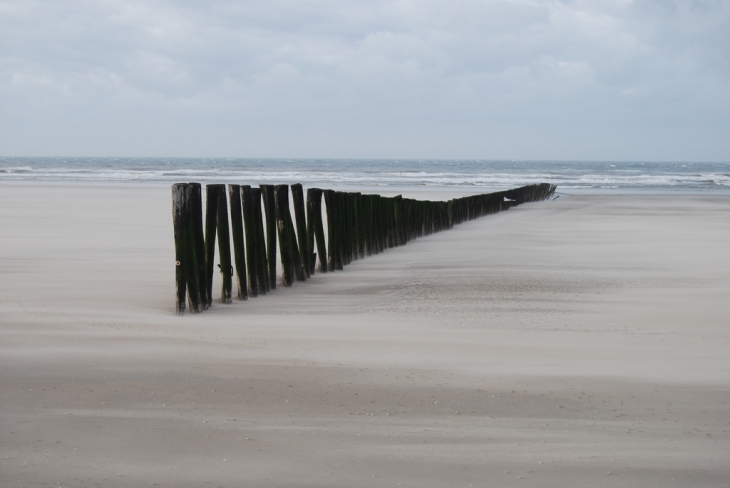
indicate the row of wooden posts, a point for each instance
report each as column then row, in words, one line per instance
column 358, row 225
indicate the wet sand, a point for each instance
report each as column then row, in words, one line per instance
column 578, row 342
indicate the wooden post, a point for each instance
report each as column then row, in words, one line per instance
column 342, row 234
column 224, row 247
column 315, row 228
column 282, row 210
column 366, row 225
column 360, row 219
column 340, row 227
column 192, row 271
column 261, row 260
column 398, row 216
column 211, row 223
column 299, row 273
column 329, row 200
column 180, row 218
column 304, row 250
column 196, row 216
column 239, row 250
column 251, row 241
column 267, row 191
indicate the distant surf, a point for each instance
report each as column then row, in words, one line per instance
column 481, row 174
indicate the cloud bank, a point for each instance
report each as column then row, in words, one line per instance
column 522, row 79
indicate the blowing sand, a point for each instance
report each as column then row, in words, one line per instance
column 579, row 342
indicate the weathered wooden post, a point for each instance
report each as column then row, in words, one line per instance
column 360, row 223
column 281, row 193
column 267, row 192
column 239, row 250
column 196, row 216
column 329, row 200
column 180, row 219
column 262, row 260
column 251, row 240
column 211, row 224
column 377, row 216
column 343, row 237
column 398, row 219
column 366, row 225
column 352, row 220
column 224, row 247
column 299, row 273
column 304, row 250
column 193, row 278
column 315, row 228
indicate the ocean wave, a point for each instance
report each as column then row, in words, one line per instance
column 15, row 170
column 379, row 173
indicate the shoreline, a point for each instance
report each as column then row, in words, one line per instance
column 447, row 191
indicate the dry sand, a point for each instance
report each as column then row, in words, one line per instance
column 579, row 342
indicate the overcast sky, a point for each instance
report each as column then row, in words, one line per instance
column 517, row 79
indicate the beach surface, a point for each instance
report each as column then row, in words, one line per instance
column 577, row 342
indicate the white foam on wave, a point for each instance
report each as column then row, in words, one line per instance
column 503, row 174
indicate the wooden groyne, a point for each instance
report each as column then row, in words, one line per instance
column 358, row 225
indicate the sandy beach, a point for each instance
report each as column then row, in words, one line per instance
column 576, row 342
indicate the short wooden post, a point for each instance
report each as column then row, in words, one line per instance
column 239, row 250
column 267, row 192
column 224, row 247
column 304, row 250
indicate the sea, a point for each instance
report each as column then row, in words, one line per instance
column 575, row 176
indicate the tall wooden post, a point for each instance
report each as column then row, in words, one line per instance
column 267, row 192
column 261, row 260
column 329, row 200
column 297, row 194
column 287, row 253
column 315, row 229
column 180, row 218
column 193, row 279
column 211, row 223
column 251, row 240
column 224, row 247
column 196, row 216
column 239, row 250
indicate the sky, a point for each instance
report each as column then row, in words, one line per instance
column 639, row 80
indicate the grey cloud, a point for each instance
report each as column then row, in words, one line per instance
column 608, row 79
